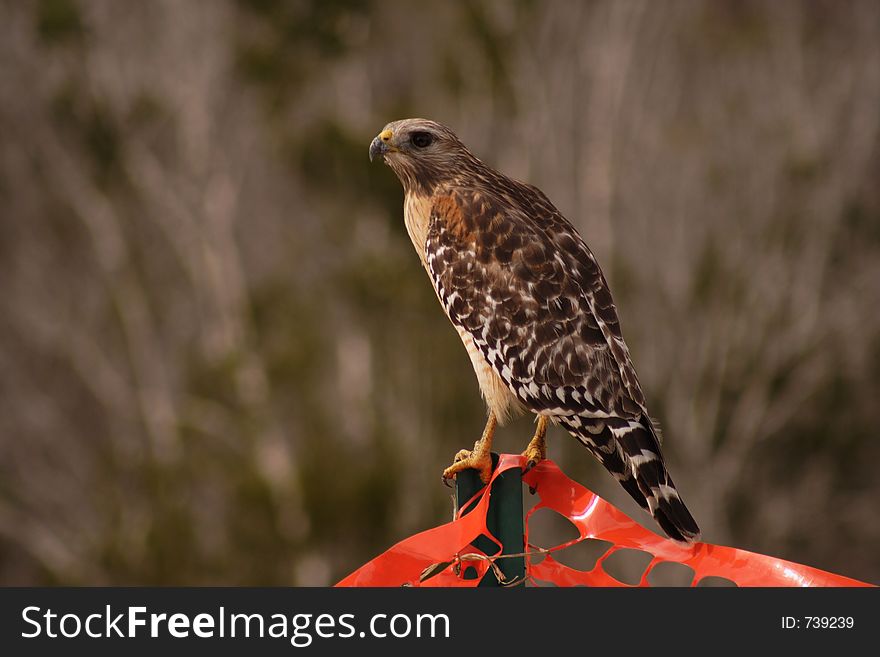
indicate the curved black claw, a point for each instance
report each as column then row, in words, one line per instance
column 531, row 464
column 446, row 481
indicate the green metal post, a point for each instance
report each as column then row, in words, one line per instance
column 504, row 520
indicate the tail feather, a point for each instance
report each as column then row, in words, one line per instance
column 630, row 450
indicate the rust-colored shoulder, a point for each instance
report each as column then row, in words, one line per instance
column 457, row 215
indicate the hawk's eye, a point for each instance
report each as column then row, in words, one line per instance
column 421, row 139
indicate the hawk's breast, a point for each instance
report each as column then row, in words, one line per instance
column 500, row 400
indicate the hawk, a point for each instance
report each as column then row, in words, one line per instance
column 533, row 310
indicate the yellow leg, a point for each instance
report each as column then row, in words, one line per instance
column 537, row 449
column 480, row 458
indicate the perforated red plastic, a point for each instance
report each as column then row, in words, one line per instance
column 593, row 517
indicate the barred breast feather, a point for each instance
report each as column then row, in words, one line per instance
column 501, row 401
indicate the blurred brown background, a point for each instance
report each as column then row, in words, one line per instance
column 221, row 362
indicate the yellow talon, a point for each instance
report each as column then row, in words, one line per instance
column 537, row 448
column 480, row 458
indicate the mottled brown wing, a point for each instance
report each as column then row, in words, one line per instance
column 516, row 275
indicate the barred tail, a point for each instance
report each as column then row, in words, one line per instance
column 630, row 450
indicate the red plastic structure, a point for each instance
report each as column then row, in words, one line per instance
column 430, row 557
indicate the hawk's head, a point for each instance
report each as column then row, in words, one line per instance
column 421, row 152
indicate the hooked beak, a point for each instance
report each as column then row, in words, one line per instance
column 381, row 145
